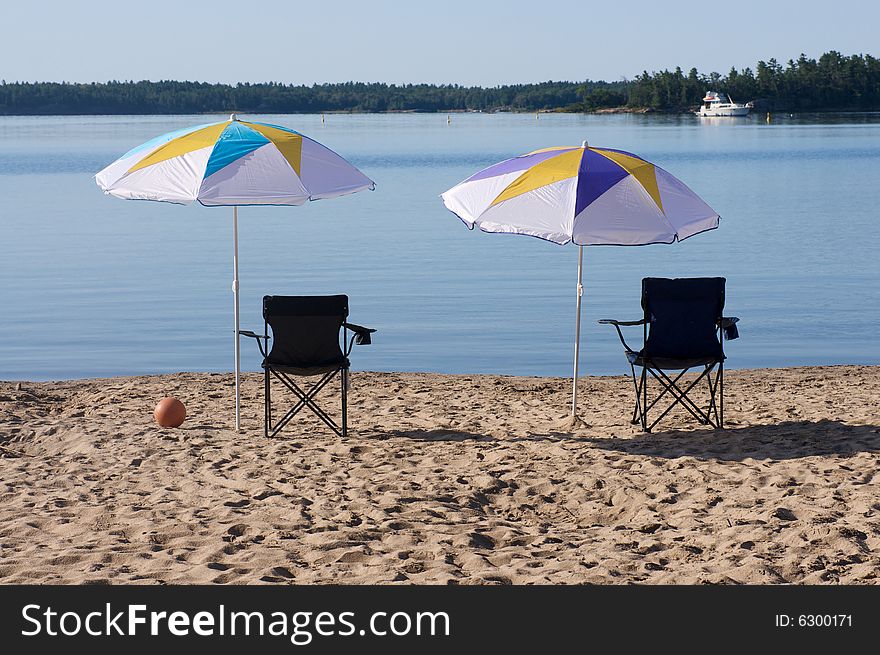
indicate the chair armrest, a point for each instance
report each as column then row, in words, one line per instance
column 248, row 333
column 361, row 333
column 254, row 335
column 358, row 328
column 611, row 321
column 617, row 324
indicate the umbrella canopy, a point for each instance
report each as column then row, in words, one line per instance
column 590, row 196
column 232, row 163
column 584, row 195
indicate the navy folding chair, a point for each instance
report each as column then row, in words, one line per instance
column 682, row 328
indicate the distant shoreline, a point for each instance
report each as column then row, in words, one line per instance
column 337, row 112
column 833, row 82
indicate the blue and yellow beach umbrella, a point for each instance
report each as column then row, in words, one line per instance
column 234, row 163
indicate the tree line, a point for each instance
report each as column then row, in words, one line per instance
column 170, row 97
column 833, row 82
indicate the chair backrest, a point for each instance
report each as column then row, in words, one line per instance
column 305, row 329
column 683, row 316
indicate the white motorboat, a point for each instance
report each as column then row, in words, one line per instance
column 719, row 104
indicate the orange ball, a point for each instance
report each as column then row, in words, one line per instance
column 169, row 412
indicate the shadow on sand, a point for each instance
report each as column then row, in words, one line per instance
column 786, row 440
column 441, row 435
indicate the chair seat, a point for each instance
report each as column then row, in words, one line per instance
column 670, row 363
column 320, row 369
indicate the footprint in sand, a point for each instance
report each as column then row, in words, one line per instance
column 282, row 572
column 235, row 531
column 352, row 557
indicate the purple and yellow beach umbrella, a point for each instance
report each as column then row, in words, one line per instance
column 584, row 195
column 232, row 163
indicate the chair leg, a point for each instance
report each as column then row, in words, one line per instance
column 267, row 404
column 716, row 398
column 344, row 379
column 636, row 418
column 713, row 415
column 306, row 400
column 713, row 408
column 669, row 385
column 681, row 396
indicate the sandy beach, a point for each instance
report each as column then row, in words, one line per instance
column 444, row 479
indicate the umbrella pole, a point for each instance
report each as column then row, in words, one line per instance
column 577, row 333
column 235, row 313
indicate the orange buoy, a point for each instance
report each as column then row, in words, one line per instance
column 169, row 412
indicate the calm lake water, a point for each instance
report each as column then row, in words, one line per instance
column 97, row 286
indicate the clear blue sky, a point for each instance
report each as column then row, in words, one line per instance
column 485, row 42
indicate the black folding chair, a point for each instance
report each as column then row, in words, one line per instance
column 683, row 328
column 305, row 334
